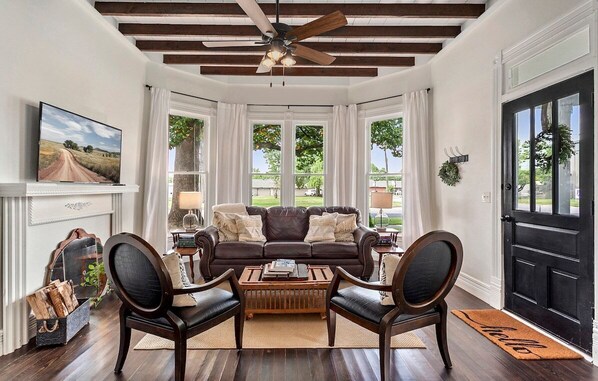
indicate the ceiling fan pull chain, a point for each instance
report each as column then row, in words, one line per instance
column 282, row 75
column 271, row 70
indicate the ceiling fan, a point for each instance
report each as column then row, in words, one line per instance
column 283, row 39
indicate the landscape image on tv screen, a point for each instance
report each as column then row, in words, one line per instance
column 77, row 149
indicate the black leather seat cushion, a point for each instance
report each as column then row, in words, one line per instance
column 333, row 250
column 239, row 250
column 287, row 249
column 366, row 303
column 210, row 303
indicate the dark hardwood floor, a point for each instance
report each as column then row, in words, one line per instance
column 92, row 354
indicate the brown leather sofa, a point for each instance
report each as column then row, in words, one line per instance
column 285, row 228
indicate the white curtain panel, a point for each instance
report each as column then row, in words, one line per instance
column 416, row 172
column 155, row 196
column 232, row 153
column 342, row 151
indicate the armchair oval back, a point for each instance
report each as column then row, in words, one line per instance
column 138, row 275
column 427, row 272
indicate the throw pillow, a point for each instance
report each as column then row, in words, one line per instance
column 346, row 224
column 387, row 270
column 178, row 276
column 250, row 228
column 226, row 223
column 321, row 228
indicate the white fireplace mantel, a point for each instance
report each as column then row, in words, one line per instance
column 61, row 189
column 26, row 209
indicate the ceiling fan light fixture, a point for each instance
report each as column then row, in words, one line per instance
column 275, row 54
column 268, row 62
column 288, row 60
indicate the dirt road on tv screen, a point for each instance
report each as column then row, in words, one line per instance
column 66, row 168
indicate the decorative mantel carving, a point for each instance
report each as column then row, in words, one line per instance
column 77, row 205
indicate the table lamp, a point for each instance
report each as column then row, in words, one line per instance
column 381, row 200
column 190, row 201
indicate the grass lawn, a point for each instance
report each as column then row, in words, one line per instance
column 266, row 201
column 545, row 201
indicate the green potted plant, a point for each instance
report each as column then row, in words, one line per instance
column 95, row 277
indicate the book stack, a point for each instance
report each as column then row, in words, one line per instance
column 186, row 240
column 284, row 269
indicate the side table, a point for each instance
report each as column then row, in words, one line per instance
column 387, row 249
column 185, row 251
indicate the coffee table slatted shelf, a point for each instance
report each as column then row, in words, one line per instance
column 285, row 296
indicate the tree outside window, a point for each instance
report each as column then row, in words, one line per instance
column 186, row 165
column 386, row 166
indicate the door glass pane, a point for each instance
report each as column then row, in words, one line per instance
column 265, row 178
column 568, row 130
column 522, row 184
column 543, row 157
column 309, row 165
column 309, row 190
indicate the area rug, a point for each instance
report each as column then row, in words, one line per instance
column 284, row 331
column 514, row 337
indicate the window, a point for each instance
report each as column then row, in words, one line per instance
column 309, row 165
column 287, row 164
column 386, row 167
column 186, row 165
column 266, row 160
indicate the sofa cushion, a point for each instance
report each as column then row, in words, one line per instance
column 287, row 249
column 319, row 210
column 334, row 250
column 258, row 211
column 286, row 223
column 239, row 250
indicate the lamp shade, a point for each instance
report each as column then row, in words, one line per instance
column 381, row 200
column 190, row 200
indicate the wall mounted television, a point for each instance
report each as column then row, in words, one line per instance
column 73, row 148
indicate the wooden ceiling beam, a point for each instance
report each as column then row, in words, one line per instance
column 248, row 60
column 328, row 47
column 436, row 10
column 294, row 71
column 133, row 29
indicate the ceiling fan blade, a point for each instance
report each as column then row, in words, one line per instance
column 255, row 13
column 231, row 43
column 312, row 55
column 318, row 26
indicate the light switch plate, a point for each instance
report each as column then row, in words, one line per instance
column 486, row 197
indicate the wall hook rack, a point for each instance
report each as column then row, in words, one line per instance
column 456, row 157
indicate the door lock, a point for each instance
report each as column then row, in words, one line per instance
column 508, row 186
column 506, row 218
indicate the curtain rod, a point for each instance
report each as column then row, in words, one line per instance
column 288, row 106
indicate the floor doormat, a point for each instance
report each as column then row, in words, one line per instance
column 514, row 337
column 284, row 331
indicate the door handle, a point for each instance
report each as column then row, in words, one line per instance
column 506, row 218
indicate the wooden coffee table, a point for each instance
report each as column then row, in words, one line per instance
column 285, row 296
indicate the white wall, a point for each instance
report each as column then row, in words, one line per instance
column 463, row 113
column 56, row 51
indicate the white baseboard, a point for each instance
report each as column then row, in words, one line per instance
column 490, row 294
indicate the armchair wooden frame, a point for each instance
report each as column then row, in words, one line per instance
column 387, row 327
column 178, row 331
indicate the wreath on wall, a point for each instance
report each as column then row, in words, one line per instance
column 449, row 173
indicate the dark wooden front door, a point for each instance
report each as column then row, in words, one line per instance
column 548, row 208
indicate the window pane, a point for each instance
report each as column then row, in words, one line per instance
column 184, row 183
column 543, row 157
column 387, row 146
column 267, row 140
column 568, row 129
column 309, row 190
column 186, row 144
column 522, row 184
column 309, row 149
column 395, row 214
column 265, row 190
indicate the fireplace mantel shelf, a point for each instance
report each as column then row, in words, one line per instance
column 34, row 189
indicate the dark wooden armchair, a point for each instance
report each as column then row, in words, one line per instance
column 143, row 284
column 425, row 275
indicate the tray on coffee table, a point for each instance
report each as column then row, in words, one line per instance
column 285, row 296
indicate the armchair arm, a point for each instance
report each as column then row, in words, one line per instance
column 341, row 274
column 365, row 238
column 228, row 275
column 207, row 239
